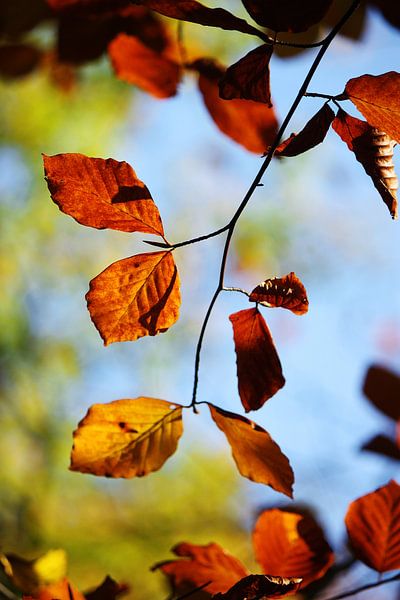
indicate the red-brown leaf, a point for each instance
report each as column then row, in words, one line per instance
column 287, row 15
column 109, row 589
column 250, row 124
column 255, row 587
column 17, row 60
column 198, row 565
column 139, row 65
column 286, row 292
column 292, row 545
column 249, row 77
column 310, row 136
column 134, row 297
column 259, row 369
column 101, row 193
column 256, row 455
column 373, row 526
column 383, row 445
column 374, row 150
column 382, row 388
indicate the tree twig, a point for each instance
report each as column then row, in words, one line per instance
column 365, row 587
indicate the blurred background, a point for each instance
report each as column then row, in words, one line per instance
column 318, row 215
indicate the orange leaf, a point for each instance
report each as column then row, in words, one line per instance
column 135, row 63
column 63, row 590
column 199, row 565
column 287, row 15
column 374, row 150
column 107, row 590
column 310, row 136
column 259, row 369
column 126, row 438
column 249, row 77
column 134, row 297
column 377, row 97
column 382, row 388
column 251, row 124
column 373, row 526
column 261, row 586
column 286, row 292
column 256, row 454
column 101, row 193
column 292, row 545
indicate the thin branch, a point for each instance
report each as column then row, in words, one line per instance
column 318, row 95
column 201, row 238
column 198, row 589
column 7, row 593
column 367, row 586
column 235, row 289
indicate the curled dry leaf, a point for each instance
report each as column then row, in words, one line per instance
column 259, row 370
column 382, row 388
column 257, row 587
column 134, row 297
column 287, row 15
column 286, row 292
column 198, row 565
column 292, row 545
column 373, row 526
column 250, row 124
column 101, row 193
column 249, row 77
column 256, row 454
column 126, row 438
column 310, row 136
column 109, row 589
column 383, row 445
column 374, row 150
column 29, row 576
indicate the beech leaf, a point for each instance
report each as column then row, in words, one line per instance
column 101, row 193
column 31, row 575
column 126, row 438
column 259, row 369
column 382, row 388
column 287, row 15
column 254, row 587
column 134, row 297
column 310, row 136
column 256, row 454
column 249, row 77
column 285, row 292
column 373, row 526
column 292, row 545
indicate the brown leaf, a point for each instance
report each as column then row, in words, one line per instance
column 383, row 445
column 134, row 297
column 286, row 292
column 108, row 590
column 18, row 60
column 377, row 97
column 382, row 388
column 139, row 65
column 259, row 369
column 310, row 136
column 373, row 526
column 260, row 587
column 249, row 77
column 374, row 150
column 199, row 565
column 250, row 124
column 31, row 576
column 390, row 10
column 126, row 438
column 101, row 193
column 87, row 6
column 292, row 545
column 287, row 15
column 256, row 454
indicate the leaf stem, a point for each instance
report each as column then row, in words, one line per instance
column 235, row 289
column 201, row 238
column 367, row 586
column 318, row 95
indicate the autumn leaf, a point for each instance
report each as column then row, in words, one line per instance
column 249, row 77
column 198, row 565
column 377, row 97
column 126, row 438
column 84, row 5
column 259, row 369
column 256, row 454
column 101, row 193
column 310, row 136
column 382, row 388
column 373, row 526
column 18, row 60
column 139, row 65
column 63, row 590
column 285, row 292
column 109, row 589
column 374, row 150
column 251, row 124
column 134, row 297
column 292, row 545
column 261, row 586
column 29, row 576
column 287, row 15
column 383, row 445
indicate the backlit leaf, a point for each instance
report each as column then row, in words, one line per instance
column 250, row 124
column 256, row 454
column 287, row 15
column 126, row 438
column 249, row 77
column 286, row 292
column 374, row 150
column 310, row 136
column 63, row 590
column 198, row 565
column 259, row 369
column 31, row 575
column 382, row 388
column 101, row 193
column 134, row 297
column 260, row 587
column 373, row 525
column 292, row 545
